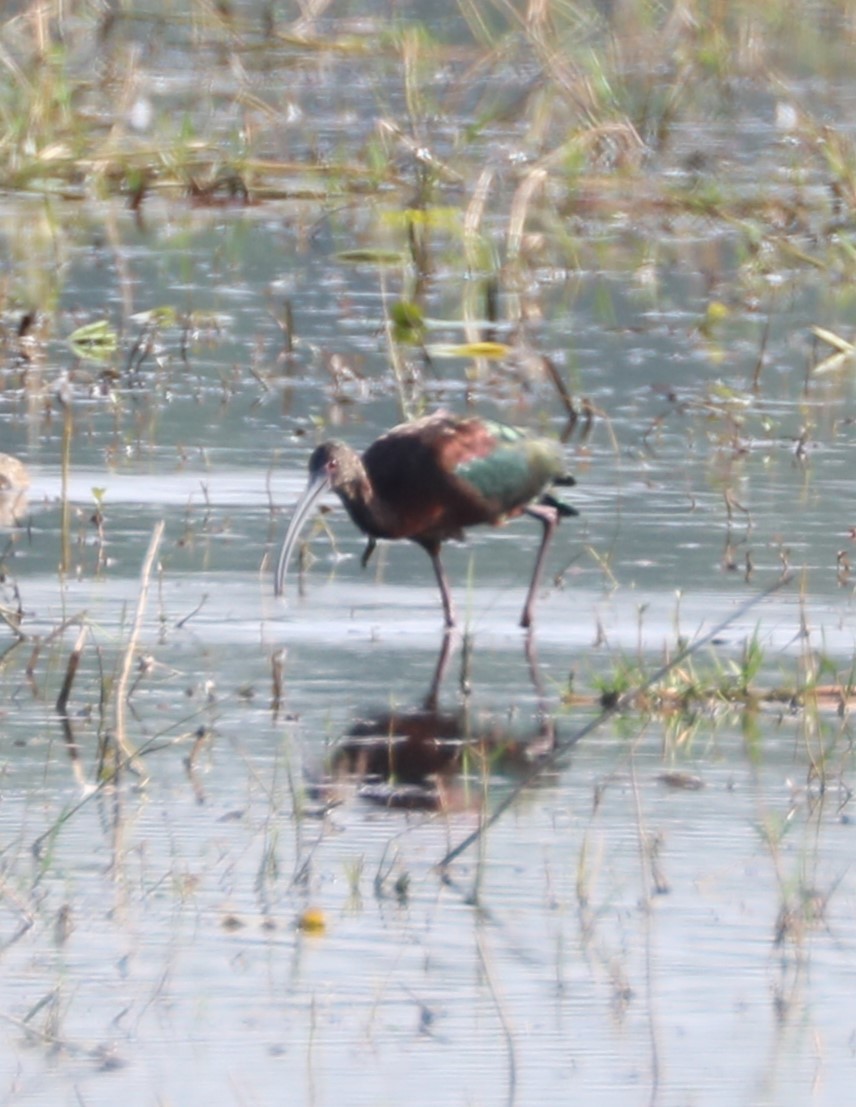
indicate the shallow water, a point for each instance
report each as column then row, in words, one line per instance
column 638, row 938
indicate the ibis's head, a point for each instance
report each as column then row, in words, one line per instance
column 333, row 466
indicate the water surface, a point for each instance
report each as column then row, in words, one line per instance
column 636, row 938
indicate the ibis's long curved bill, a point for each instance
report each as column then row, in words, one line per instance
column 318, row 484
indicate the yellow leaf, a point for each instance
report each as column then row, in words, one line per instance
column 493, row 350
column 312, row 921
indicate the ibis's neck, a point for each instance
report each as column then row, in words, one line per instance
column 366, row 509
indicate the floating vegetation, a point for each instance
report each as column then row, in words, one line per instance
column 368, row 256
column 96, row 341
column 492, row 351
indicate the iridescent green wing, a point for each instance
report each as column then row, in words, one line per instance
column 515, row 469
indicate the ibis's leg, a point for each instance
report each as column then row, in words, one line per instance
column 548, row 517
column 446, row 595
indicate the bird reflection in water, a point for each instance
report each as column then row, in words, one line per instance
column 428, row 757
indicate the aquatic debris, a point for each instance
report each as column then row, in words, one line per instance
column 13, row 473
column 844, row 351
column 14, row 482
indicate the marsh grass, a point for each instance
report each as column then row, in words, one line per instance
column 601, row 100
column 599, row 128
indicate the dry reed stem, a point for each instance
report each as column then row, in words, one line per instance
column 128, row 752
column 651, row 880
column 71, row 671
column 396, row 361
column 532, row 182
column 502, row 1015
column 65, row 506
column 62, row 705
column 57, row 632
column 277, row 674
column 473, row 219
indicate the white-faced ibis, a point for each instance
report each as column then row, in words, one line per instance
column 429, row 479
